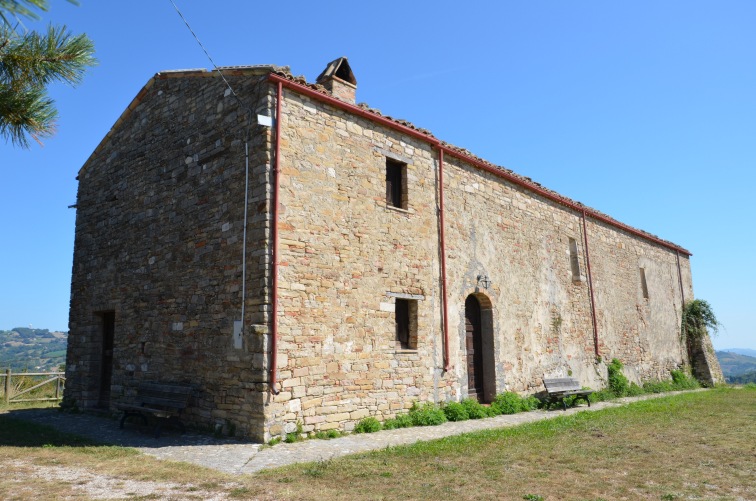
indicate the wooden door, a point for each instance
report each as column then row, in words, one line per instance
column 473, row 344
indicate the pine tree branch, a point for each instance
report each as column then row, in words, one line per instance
column 26, row 112
column 29, row 62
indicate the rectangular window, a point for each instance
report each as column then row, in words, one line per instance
column 396, row 184
column 406, row 323
column 644, row 285
column 574, row 262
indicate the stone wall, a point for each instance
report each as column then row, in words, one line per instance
column 160, row 217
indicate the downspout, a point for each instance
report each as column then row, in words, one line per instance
column 274, row 285
column 244, row 234
column 442, row 243
column 590, row 288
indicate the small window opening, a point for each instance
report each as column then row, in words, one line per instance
column 396, row 184
column 644, row 285
column 406, row 323
column 574, row 262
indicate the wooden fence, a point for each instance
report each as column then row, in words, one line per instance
column 32, row 382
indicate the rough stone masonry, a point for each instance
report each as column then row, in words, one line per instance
column 377, row 303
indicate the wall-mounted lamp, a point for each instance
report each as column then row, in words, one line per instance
column 484, row 281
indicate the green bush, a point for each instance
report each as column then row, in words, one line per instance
column 657, row 386
column 530, row 403
column 455, row 411
column 428, row 414
column 634, row 390
column 618, row 383
column 292, row 437
column 698, row 317
column 601, row 395
column 368, row 425
column 507, row 403
column 295, row 436
column 405, row 420
column 327, row 435
column 682, row 380
column 474, row 409
column 510, row 402
column 391, row 424
column 400, row 421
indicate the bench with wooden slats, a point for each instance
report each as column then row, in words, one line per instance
column 164, row 401
column 559, row 388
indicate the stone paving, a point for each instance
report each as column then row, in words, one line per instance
column 237, row 457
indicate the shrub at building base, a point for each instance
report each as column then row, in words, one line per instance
column 427, row 414
column 617, row 382
column 455, row 411
column 400, row 421
column 512, row 403
column 618, row 385
column 368, row 425
column 475, row 410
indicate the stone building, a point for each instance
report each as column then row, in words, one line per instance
column 300, row 258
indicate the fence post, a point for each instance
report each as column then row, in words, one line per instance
column 7, row 385
column 57, row 388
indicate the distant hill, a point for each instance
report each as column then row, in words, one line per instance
column 737, row 368
column 33, row 350
column 741, row 351
column 748, row 377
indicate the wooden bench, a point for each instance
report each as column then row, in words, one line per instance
column 164, row 401
column 559, row 388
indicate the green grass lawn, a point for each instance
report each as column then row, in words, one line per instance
column 699, row 445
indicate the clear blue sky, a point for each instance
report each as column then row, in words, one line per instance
column 644, row 110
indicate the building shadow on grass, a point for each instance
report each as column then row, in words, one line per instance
column 51, row 427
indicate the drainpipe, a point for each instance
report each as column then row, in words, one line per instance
column 590, row 288
column 244, row 234
column 442, row 243
column 274, row 286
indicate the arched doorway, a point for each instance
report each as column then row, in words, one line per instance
column 481, row 372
